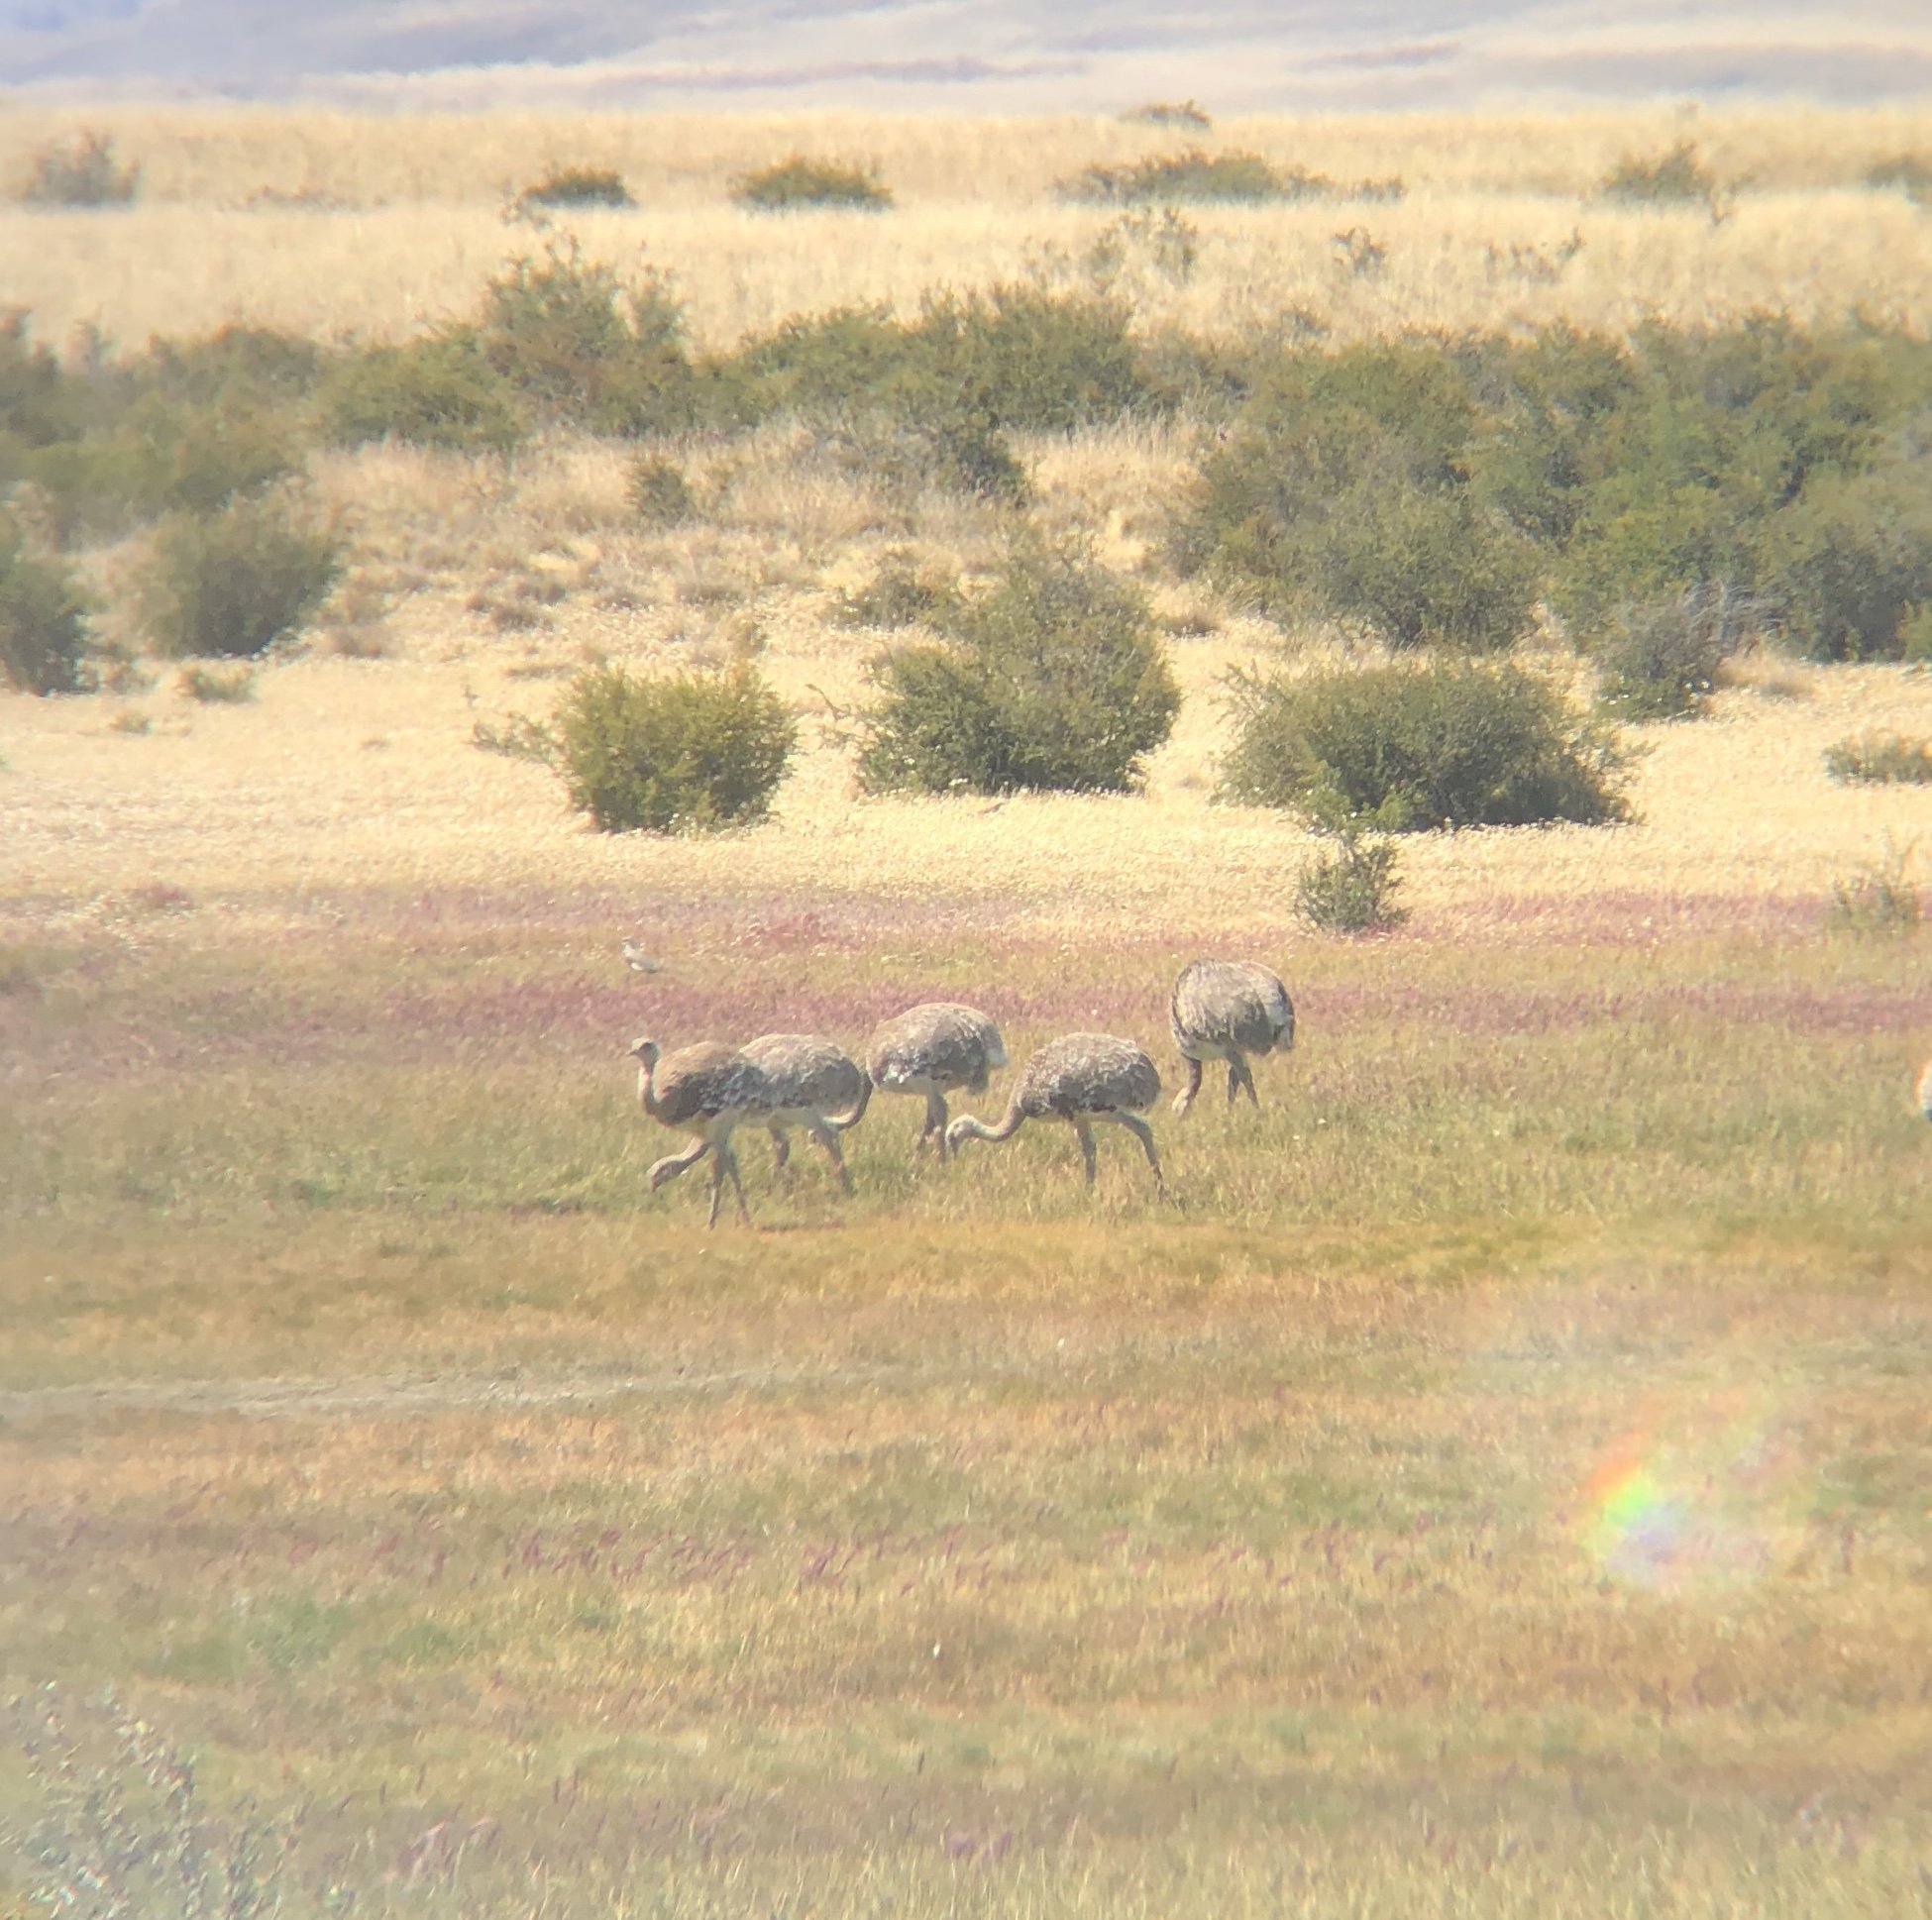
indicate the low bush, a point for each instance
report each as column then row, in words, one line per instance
column 42, row 620
column 1879, row 896
column 210, row 687
column 436, row 391
column 1169, row 113
column 1664, row 179
column 1197, row 175
column 1659, row 659
column 232, row 584
column 578, row 186
column 693, row 753
column 85, row 173
column 1349, row 886
column 1911, row 172
column 1423, row 744
column 1053, row 681
column 797, row 182
column 658, row 492
column 1881, row 759
column 902, row 594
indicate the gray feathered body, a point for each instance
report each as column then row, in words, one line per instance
column 1086, row 1073
column 1221, row 1008
column 694, row 1087
column 936, row 1048
column 811, row 1079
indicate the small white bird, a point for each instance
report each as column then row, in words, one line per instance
column 639, row 961
column 1925, row 1091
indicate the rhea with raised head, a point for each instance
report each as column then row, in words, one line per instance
column 1080, row 1078
column 705, row 1090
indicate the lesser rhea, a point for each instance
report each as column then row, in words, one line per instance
column 1083, row 1078
column 813, row 1085
column 935, row 1049
column 1225, row 1010
column 705, row 1090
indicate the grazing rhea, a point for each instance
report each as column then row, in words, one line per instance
column 1225, row 1010
column 705, row 1090
column 931, row 1050
column 813, row 1085
column 1925, row 1091
column 1083, row 1078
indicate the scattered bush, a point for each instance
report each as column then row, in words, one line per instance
column 800, row 183
column 899, row 595
column 581, row 349
column 518, row 738
column 692, row 753
column 1359, row 253
column 1196, row 176
column 234, row 583
column 1665, row 179
column 1423, row 744
column 1659, row 658
column 1880, row 759
column 42, row 620
column 83, row 175
column 1168, row 113
column 578, row 186
column 1350, row 884
column 658, row 492
column 213, row 687
column 1879, row 896
column 1053, row 681
column 436, row 391
column 1911, row 172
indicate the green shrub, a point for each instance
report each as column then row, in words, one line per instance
column 1423, row 744
column 1196, row 176
column 583, row 350
column 1350, row 884
column 42, row 620
column 1052, row 680
column 1878, row 897
column 578, row 186
column 1848, row 563
column 436, row 391
column 692, row 753
column 1880, row 759
column 234, row 581
column 212, row 688
column 1659, row 659
column 796, row 182
column 1665, row 179
column 659, row 494
column 1911, row 172
column 899, row 595
column 1168, row 113
column 83, row 175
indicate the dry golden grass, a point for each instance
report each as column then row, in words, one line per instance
column 398, row 224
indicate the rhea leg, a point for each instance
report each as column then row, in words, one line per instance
column 1086, row 1133
column 781, row 1153
column 727, row 1162
column 935, row 1122
column 1240, row 1075
column 827, row 1138
column 1144, row 1134
column 1185, row 1098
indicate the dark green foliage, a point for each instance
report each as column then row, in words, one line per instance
column 1881, row 759
column 899, row 595
column 583, row 349
column 1350, row 884
column 436, row 391
column 1423, row 744
column 232, row 584
column 1197, row 175
column 1055, row 680
column 1665, row 179
column 660, row 496
column 579, row 186
column 1659, row 658
column 788, row 184
column 42, row 620
column 694, row 753
column 83, row 175
column 1848, row 563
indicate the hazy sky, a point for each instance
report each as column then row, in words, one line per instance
column 1015, row 55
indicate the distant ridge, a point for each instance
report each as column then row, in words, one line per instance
column 1003, row 56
